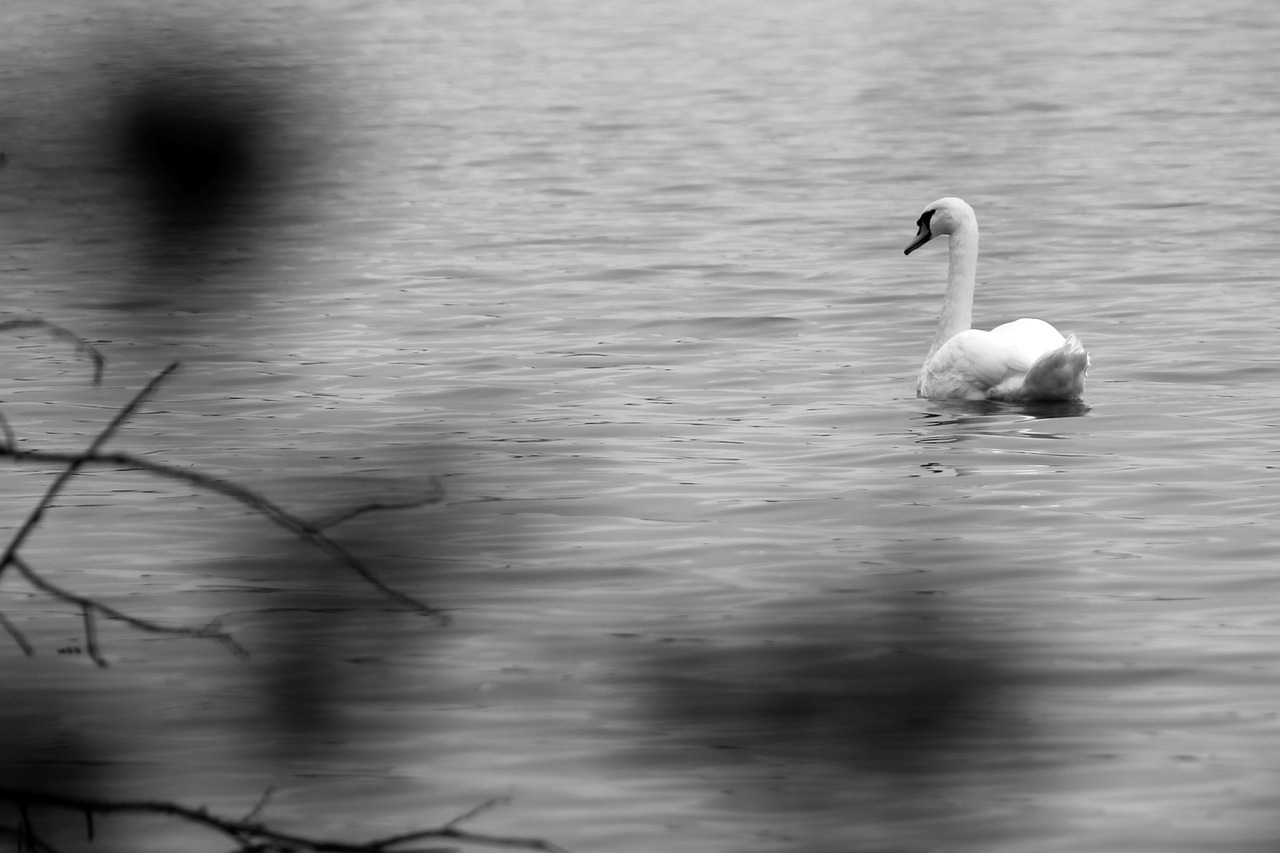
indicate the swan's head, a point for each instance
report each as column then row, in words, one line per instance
column 944, row 216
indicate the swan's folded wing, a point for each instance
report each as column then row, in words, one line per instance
column 973, row 360
column 1026, row 340
column 1058, row 374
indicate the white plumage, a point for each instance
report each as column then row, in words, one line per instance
column 1026, row 360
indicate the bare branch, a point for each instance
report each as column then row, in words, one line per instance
column 17, row 635
column 433, row 496
column 466, row 837
column 74, row 466
column 91, row 635
column 310, row 532
column 10, row 439
column 480, row 809
column 81, row 345
column 252, row 835
column 88, row 606
column 260, row 805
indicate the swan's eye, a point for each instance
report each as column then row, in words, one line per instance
column 923, row 221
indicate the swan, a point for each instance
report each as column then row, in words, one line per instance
column 1026, row 360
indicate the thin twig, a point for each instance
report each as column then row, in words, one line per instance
column 10, row 439
column 334, row 519
column 212, row 631
column 259, row 806
column 258, row 836
column 17, row 635
column 91, row 635
column 74, row 466
column 311, row 532
column 480, row 809
column 385, row 844
column 62, row 334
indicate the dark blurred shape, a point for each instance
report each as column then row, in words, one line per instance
column 39, row 754
column 898, row 712
column 895, row 707
column 196, row 139
column 194, row 151
column 904, row 704
column 173, row 158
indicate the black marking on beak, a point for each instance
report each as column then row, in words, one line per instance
column 924, row 235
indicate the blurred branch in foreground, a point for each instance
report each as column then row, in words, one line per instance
column 82, row 346
column 310, row 532
column 247, row 833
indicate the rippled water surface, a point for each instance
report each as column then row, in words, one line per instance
column 627, row 280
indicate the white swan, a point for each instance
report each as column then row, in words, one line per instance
column 1026, row 360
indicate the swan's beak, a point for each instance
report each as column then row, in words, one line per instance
column 924, row 235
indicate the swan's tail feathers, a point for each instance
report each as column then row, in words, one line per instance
column 1058, row 374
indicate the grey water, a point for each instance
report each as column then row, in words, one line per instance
column 626, row 280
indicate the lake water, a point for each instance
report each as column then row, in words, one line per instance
column 627, row 280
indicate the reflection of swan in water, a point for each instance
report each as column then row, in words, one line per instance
column 965, row 437
column 1026, row 360
column 955, row 425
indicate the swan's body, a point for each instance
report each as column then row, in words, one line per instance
column 1026, row 360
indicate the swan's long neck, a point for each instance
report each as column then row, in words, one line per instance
column 957, row 304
